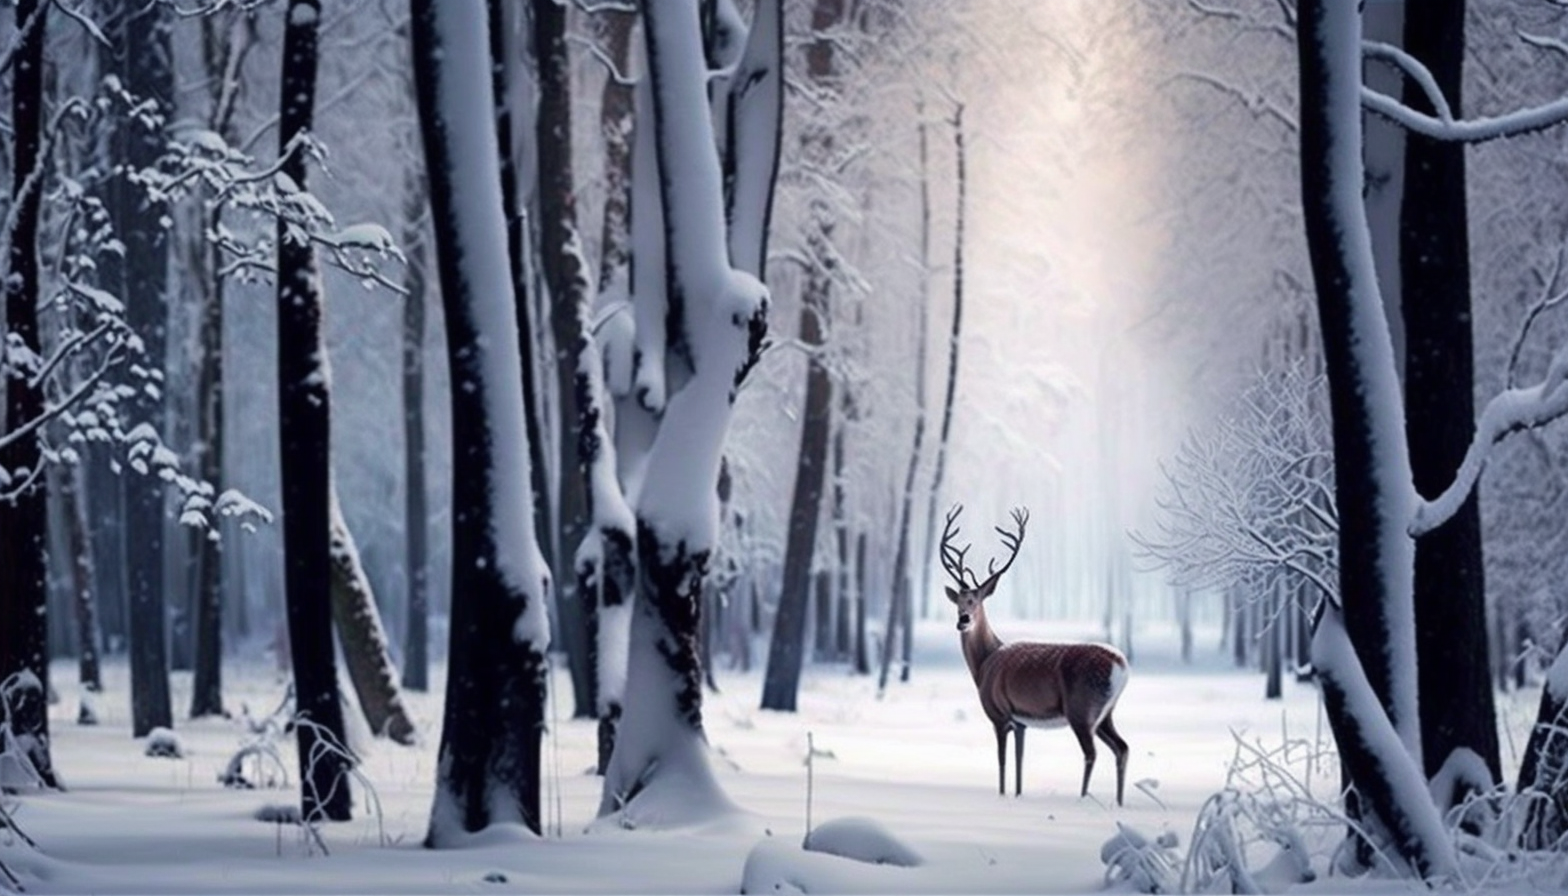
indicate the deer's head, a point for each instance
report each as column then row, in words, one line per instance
column 970, row 594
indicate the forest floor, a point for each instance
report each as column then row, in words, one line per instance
column 920, row 761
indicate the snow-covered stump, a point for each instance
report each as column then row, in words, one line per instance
column 716, row 319
column 489, row 761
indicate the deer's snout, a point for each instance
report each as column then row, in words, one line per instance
column 964, row 622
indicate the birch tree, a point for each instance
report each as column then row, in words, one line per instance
column 489, row 765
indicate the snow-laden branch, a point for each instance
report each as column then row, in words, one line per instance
column 1508, row 412
column 1415, row 71
column 1471, row 130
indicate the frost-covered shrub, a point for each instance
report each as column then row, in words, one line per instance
column 1134, row 862
column 1262, row 831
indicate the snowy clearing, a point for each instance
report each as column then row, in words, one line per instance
column 920, row 763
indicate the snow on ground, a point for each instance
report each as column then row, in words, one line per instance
column 919, row 764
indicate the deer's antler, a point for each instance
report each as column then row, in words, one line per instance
column 1010, row 540
column 953, row 558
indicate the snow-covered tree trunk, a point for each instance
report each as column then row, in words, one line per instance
column 607, row 563
column 366, row 652
column 24, row 596
column 1366, row 654
column 305, row 425
column 489, row 765
column 716, row 319
column 566, row 274
column 145, row 67
column 504, row 75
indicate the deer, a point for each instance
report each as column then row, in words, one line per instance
column 1030, row 683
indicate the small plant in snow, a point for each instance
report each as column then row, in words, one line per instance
column 260, row 755
column 1133, row 861
column 163, row 743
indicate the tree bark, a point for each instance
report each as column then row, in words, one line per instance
column 24, row 596
column 89, row 635
column 518, row 236
column 567, row 279
column 1457, row 712
column 304, row 418
column 786, row 651
column 146, row 69
column 366, row 651
column 489, row 767
column 416, row 635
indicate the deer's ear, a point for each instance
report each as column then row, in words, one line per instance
column 951, row 594
column 986, row 589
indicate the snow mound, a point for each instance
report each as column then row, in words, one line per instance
column 163, row 743
column 777, row 867
column 864, row 840
column 277, row 813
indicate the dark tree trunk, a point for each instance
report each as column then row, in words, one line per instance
column 786, row 650
column 839, row 647
column 304, row 421
column 146, row 69
column 89, row 636
column 1452, row 661
column 416, row 634
column 567, row 280
column 862, row 658
column 787, row 647
column 24, row 596
column 226, row 41
column 489, row 766
column 207, row 683
column 106, row 516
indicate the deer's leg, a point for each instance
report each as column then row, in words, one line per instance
column 1018, row 758
column 1001, row 758
column 1086, row 743
column 1107, row 733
